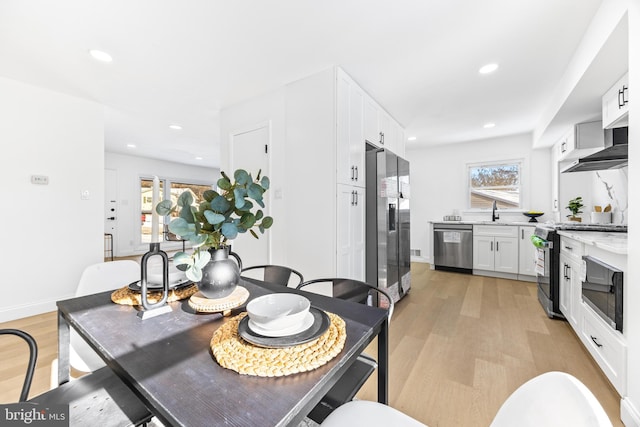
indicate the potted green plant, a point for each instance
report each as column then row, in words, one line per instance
column 219, row 218
column 574, row 206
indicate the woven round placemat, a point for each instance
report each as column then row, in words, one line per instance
column 232, row 352
column 126, row 296
column 203, row 304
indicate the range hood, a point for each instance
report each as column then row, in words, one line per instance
column 613, row 156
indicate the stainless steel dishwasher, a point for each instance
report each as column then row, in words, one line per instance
column 453, row 247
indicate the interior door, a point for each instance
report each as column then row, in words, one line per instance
column 250, row 151
column 110, row 211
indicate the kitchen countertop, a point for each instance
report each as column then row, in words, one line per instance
column 612, row 242
column 524, row 223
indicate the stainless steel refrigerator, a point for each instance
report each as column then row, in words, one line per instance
column 388, row 257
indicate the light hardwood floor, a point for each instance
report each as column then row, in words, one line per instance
column 459, row 345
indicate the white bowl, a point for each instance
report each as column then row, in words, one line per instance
column 278, row 311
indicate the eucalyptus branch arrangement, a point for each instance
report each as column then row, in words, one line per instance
column 219, row 218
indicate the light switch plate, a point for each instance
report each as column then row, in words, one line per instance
column 40, row 179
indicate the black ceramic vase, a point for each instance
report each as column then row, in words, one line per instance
column 221, row 275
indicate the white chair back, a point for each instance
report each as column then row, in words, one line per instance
column 552, row 399
column 104, row 276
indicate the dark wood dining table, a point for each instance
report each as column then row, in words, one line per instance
column 168, row 363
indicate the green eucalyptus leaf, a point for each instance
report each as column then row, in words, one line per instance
column 194, row 274
column 248, row 220
column 229, row 230
column 242, row 177
column 265, row 183
column 255, row 191
column 209, row 195
column 182, row 258
column 224, row 183
column 267, row 222
column 253, row 233
column 261, row 228
column 198, row 240
column 164, row 208
column 259, row 214
column 220, row 204
column 185, row 199
column 187, row 213
column 201, row 258
column 260, row 202
column 213, row 217
column 182, row 228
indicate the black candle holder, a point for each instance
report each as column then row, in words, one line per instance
column 151, row 310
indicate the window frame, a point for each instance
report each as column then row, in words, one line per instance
column 165, row 193
column 520, row 162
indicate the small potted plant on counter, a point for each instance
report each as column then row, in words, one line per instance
column 574, row 206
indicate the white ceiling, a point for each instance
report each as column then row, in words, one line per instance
column 183, row 61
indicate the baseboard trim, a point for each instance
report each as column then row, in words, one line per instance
column 15, row 312
column 629, row 414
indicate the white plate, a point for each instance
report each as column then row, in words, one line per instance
column 306, row 324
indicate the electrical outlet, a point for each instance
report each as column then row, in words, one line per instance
column 40, row 179
column 84, row 195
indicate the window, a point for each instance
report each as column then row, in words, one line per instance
column 173, row 190
column 499, row 182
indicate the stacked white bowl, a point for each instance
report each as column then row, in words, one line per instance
column 279, row 314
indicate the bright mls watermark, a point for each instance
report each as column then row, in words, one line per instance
column 32, row 414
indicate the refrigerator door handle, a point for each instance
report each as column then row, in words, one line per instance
column 392, row 217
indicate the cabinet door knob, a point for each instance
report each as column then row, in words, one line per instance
column 356, row 173
column 595, row 341
column 491, row 246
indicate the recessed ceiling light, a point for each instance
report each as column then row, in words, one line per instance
column 489, row 125
column 100, row 55
column 412, row 138
column 198, row 158
column 131, row 145
column 175, row 127
column 489, row 68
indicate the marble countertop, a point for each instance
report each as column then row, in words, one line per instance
column 612, row 242
column 523, row 223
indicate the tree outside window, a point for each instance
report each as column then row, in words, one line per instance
column 495, row 182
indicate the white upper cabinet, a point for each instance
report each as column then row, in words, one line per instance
column 350, row 147
column 615, row 104
column 582, row 139
column 380, row 129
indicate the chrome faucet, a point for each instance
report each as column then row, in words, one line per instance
column 494, row 215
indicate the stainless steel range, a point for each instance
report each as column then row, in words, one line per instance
column 548, row 244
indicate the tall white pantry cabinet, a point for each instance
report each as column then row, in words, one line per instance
column 324, row 188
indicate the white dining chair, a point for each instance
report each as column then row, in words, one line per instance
column 100, row 277
column 552, row 399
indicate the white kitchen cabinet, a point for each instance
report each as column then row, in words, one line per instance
column 350, row 232
column 381, row 130
column 582, row 139
column 350, row 147
column 495, row 248
column 615, row 104
column 570, row 290
column 526, row 252
column 607, row 346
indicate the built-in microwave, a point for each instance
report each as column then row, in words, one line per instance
column 602, row 290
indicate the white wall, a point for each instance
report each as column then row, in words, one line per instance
column 49, row 233
column 129, row 170
column 266, row 109
column 439, row 182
